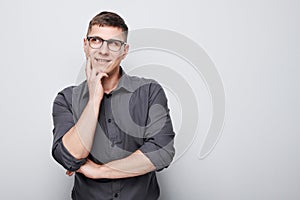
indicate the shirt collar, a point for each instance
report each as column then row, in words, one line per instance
column 125, row 82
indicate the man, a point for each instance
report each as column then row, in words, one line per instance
column 113, row 130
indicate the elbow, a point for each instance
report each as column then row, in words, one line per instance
column 166, row 157
column 161, row 158
column 65, row 159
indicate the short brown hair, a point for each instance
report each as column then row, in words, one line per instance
column 106, row 18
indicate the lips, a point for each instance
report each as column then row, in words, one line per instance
column 99, row 60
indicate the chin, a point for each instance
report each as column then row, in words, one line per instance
column 105, row 68
column 102, row 68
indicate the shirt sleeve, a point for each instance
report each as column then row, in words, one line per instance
column 63, row 121
column 159, row 137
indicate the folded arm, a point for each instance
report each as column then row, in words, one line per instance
column 134, row 165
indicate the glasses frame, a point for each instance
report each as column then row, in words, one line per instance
column 107, row 42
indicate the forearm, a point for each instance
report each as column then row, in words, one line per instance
column 134, row 165
column 79, row 139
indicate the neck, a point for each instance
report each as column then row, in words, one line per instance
column 111, row 82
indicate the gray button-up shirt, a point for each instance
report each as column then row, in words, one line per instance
column 133, row 116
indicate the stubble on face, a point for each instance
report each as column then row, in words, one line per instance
column 104, row 60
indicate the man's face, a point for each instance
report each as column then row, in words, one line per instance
column 103, row 59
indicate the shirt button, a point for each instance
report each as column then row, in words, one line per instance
column 109, row 120
column 116, row 195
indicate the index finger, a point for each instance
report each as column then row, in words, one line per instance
column 88, row 67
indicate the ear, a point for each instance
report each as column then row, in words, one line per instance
column 85, row 47
column 126, row 50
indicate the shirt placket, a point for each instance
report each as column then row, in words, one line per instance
column 113, row 136
column 112, row 131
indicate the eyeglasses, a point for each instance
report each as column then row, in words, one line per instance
column 97, row 42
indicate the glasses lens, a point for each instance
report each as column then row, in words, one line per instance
column 114, row 45
column 95, row 42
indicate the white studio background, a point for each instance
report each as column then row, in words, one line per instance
column 254, row 45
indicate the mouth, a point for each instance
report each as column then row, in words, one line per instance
column 99, row 60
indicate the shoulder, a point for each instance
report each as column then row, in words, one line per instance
column 65, row 95
column 141, row 80
column 142, row 83
column 147, row 87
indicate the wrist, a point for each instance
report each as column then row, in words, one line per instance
column 94, row 103
column 100, row 172
column 95, row 99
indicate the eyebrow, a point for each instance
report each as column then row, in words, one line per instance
column 111, row 39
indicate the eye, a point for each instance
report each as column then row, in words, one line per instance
column 95, row 40
column 115, row 43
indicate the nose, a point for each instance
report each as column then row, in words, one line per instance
column 104, row 48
